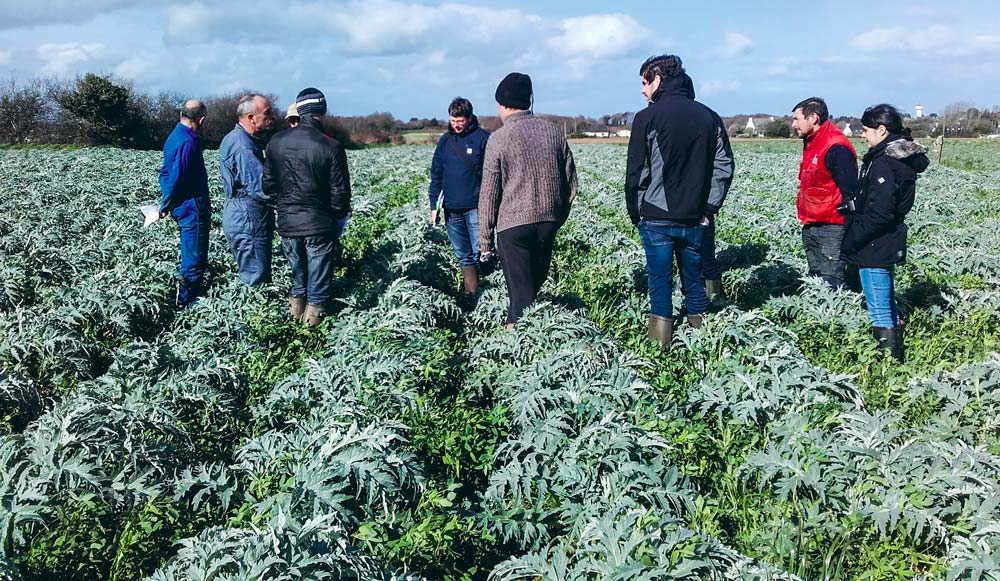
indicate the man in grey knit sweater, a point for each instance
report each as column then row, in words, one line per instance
column 529, row 183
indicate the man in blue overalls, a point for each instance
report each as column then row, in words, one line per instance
column 184, row 188
column 247, row 216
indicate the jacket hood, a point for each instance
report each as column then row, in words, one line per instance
column 681, row 85
column 310, row 121
column 903, row 148
column 469, row 128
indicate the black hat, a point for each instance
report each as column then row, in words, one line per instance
column 311, row 101
column 514, row 91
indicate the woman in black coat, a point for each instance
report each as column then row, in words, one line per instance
column 875, row 235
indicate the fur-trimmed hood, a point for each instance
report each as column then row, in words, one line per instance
column 904, row 148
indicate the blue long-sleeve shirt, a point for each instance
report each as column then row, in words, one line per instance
column 183, row 176
column 241, row 164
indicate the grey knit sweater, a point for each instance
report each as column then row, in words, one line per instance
column 528, row 177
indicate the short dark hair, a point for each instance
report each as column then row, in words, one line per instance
column 665, row 66
column 195, row 111
column 883, row 114
column 460, row 107
column 813, row 105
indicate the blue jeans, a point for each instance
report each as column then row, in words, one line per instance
column 463, row 231
column 660, row 239
column 311, row 259
column 879, row 295
column 194, row 218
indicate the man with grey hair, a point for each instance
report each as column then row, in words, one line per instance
column 247, row 215
column 184, row 187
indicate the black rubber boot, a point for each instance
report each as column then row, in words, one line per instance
column 661, row 330
column 890, row 341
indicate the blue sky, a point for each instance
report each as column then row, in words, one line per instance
column 410, row 57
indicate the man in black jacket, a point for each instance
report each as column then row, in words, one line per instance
column 306, row 175
column 679, row 168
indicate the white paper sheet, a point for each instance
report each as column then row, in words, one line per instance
column 151, row 214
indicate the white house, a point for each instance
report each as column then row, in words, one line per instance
column 757, row 127
column 624, row 133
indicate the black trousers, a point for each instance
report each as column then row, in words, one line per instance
column 525, row 256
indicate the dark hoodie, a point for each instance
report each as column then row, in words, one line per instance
column 875, row 235
column 680, row 163
column 457, row 167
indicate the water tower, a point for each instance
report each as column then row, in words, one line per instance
column 920, row 111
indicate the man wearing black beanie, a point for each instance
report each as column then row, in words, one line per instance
column 306, row 175
column 529, row 183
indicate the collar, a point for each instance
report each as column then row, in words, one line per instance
column 514, row 117
column 681, row 86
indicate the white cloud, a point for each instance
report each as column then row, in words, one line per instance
column 18, row 13
column 734, row 44
column 599, row 36
column 938, row 40
column 61, row 58
column 709, row 88
column 5, row 56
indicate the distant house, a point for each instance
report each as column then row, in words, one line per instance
column 757, row 126
column 624, row 133
column 850, row 128
column 596, row 130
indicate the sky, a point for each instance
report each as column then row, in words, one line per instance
column 411, row 57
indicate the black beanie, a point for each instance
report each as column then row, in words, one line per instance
column 311, row 101
column 514, row 91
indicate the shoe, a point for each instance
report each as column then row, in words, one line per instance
column 313, row 314
column 296, row 307
column 890, row 341
column 470, row 279
column 713, row 288
column 661, row 330
column 695, row 321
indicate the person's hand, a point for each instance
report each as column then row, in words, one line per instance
column 705, row 221
column 163, row 214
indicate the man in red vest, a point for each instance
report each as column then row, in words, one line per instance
column 828, row 178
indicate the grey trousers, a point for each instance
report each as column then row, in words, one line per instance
column 822, row 245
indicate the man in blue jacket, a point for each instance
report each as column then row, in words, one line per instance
column 247, row 216
column 184, row 187
column 456, row 175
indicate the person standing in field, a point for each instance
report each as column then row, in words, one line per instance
column 875, row 235
column 828, row 176
column 306, row 173
column 529, row 184
column 292, row 116
column 247, row 216
column 184, row 196
column 678, row 172
column 456, row 176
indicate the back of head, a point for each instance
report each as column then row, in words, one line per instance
column 311, row 101
column 193, row 110
column 665, row 66
column 813, row 105
column 515, row 92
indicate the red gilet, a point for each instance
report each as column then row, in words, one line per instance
column 818, row 193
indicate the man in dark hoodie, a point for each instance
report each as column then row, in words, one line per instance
column 679, row 169
column 305, row 173
column 456, row 175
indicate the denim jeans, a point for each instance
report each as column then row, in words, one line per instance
column 194, row 218
column 879, row 290
column 463, row 231
column 312, row 261
column 710, row 266
column 822, row 245
column 660, row 239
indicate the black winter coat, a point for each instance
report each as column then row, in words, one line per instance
column 875, row 235
column 305, row 173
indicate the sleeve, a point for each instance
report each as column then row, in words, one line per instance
column 174, row 165
column 269, row 181
column 340, row 184
column 633, row 170
column 722, row 170
column 843, row 167
column 569, row 182
column 437, row 176
column 251, row 172
column 877, row 215
column 489, row 196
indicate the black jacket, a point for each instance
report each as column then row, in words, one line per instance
column 305, row 173
column 680, row 163
column 875, row 235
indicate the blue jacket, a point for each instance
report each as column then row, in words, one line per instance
column 247, row 209
column 457, row 168
column 183, row 176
